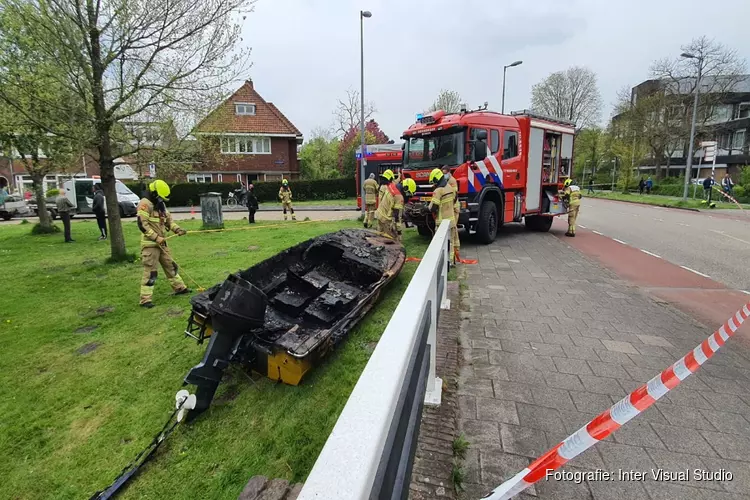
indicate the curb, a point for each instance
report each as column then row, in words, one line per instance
column 308, row 208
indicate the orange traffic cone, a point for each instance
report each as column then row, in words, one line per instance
column 192, row 210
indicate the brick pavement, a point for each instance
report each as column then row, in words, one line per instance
column 552, row 339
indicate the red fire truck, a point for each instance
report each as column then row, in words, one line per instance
column 380, row 157
column 508, row 167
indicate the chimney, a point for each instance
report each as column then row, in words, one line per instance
column 249, row 81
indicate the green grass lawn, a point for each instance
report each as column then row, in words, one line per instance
column 87, row 377
column 664, row 201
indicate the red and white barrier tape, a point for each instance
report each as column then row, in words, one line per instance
column 727, row 195
column 622, row 412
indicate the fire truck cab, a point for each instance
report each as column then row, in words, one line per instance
column 380, row 157
column 508, row 167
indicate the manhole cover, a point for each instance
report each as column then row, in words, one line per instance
column 87, row 348
column 86, row 329
column 105, row 310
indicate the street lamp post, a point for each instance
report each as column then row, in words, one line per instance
column 614, row 172
column 502, row 110
column 363, row 160
column 689, row 162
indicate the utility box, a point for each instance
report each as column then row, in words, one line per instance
column 213, row 217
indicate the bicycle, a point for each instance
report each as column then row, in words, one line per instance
column 235, row 198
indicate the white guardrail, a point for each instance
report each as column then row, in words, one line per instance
column 370, row 451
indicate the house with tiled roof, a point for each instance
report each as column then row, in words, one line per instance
column 246, row 139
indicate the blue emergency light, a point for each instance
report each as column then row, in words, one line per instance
column 420, row 116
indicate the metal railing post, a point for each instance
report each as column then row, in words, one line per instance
column 445, row 302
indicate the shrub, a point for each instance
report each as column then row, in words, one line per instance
column 39, row 229
column 52, row 192
column 740, row 194
column 187, row 194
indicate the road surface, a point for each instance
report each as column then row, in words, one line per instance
column 716, row 244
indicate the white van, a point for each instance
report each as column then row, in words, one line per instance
column 80, row 192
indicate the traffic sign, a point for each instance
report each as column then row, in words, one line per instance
column 709, row 151
column 152, row 170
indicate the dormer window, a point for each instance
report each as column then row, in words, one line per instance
column 244, row 108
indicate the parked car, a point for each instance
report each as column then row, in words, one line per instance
column 14, row 206
column 80, row 192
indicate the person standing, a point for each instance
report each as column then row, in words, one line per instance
column 370, row 187
column 154, row 220
column 708, row 183
column 454, row 185
column 571, row 196
column 641, row 185
column 99, row 210
column 649, row 185
column 591, row 187
column 727, row 184
column 441, row 206
column 387, row 212
column 252, row 204
column 285, row 195
column 64, row 206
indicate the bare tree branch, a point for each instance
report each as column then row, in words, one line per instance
column 571, row 94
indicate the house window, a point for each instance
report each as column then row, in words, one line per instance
column 245, row 144
column 201, row 178
column 510, row 144
column 495, row 136
column 742, row 110
column 244, row 108
column 219, row 178
column 739, row 139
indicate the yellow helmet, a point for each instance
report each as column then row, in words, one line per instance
column 568, row 182
column 388, row 175
column 284, row 182
column 161, row 189
column 409, row 186
column 435, row 175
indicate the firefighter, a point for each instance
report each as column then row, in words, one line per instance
column 154, row 220
column 285, row 195
column 452, row 182
column 571, row 196
column 387, row 213
column 371, row 198
column 441, row 206
column 406, row 190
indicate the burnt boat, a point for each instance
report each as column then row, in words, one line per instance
column 282, row 315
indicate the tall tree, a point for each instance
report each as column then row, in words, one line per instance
column 721, row 69
column 351, row 141
column 347, row 113
column 318, row 158
column 590, row 151
column 126, row 59
column 32, row 101
column 571, row 95
column 447, row 100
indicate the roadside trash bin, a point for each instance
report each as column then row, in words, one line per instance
column 211, row 213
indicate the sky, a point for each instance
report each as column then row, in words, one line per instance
column 306, row 53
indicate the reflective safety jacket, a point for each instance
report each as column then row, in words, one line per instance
column 285, row 195
column 454, row 185
column 443, row 199
column 572, row 195
column 387, row 208
column 153, row 223
column 371, row 191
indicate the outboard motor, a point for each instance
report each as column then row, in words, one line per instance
column 238, row 307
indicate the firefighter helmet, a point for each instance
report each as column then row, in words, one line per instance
column 435, row 175
column 388, row 175
column 410, row 186
column 568, row 182
column 284, row 182
column 161, row 189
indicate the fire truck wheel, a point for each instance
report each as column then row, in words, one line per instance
column 538, row 223
column 487, row 224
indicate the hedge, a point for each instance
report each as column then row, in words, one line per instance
column 187, row 194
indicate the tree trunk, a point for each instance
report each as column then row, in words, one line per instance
column 103, row 126
column 45, row 221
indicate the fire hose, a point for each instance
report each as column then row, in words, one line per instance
column 184, row 401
